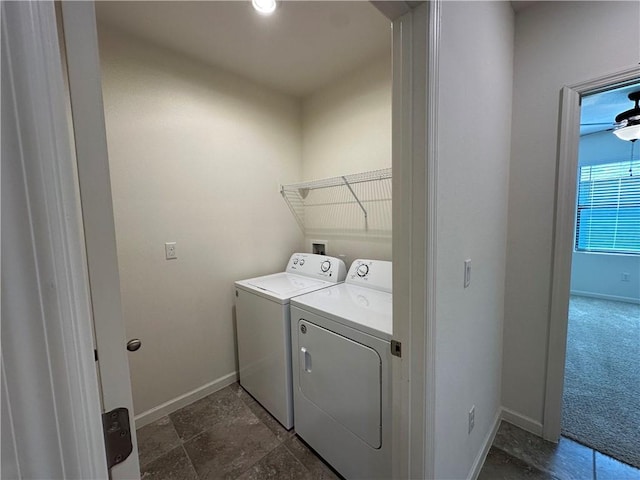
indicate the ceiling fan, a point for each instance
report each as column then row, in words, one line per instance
column 628, row 122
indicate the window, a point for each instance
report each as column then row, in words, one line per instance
column 608, row 218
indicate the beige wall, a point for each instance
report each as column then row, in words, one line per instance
column 346, row 128
column 557, row 44
column 196, row 157
column 347, row 124
column 475, row 86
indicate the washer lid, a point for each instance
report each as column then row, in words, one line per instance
column 282, row 286
column 365, row 309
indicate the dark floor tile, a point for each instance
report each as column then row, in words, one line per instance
column 227, row 450
column 259, row 411
column 220, row 407
column 319, row 470
column 272, row 424
column 174, row 465
column 608, row 468
column 240, row 392
column 279, row 464
column 567, row 459
column 156, row 439
column 500, row 465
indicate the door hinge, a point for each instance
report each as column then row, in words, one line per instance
column 117, row 435
column 95, row 354
column 396, row 348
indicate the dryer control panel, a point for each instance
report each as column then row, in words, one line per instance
column 330, row 269
column 376, row 274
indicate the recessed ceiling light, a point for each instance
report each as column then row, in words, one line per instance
column 264, row 7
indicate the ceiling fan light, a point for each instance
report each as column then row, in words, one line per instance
column 629, row 133
column 264, row 7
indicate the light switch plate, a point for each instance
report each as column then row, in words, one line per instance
column 467, row 272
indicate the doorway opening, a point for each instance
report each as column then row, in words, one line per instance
column 601, row 395
column 210, row 184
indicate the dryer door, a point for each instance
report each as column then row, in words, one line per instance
column 342, row 378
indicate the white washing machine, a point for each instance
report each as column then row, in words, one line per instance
column 264, row 327
column 341, row 339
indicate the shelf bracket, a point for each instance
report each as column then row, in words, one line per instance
column 338, row 193
column 344, row 179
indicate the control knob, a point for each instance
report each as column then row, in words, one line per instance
column 325, row 266
column 362, row 270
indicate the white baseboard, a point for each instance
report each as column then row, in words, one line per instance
column 488, row 441
column 601, row 296
column 177, row 403
column 525, row 423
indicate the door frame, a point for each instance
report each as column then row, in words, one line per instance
column 84, row 80
column 416, row 44
column 564, row 232
column 51, row 422
column 416, row 30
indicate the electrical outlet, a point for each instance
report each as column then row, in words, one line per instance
column 467, row 272
column 472, row 418
column 624, row 276
column 170, row 250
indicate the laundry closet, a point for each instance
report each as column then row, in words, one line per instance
column 241, row 158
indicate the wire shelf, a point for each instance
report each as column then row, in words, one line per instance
column 354, row 204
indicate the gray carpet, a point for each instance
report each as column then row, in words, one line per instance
column 601, row 407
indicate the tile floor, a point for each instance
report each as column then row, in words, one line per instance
column 228, row 435
column 517, row 454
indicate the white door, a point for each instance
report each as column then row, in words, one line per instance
column 83, row 67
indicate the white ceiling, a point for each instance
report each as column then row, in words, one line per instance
column 519, row 5
column 301, row 47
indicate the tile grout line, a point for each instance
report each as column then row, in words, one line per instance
column 175, row 430
column 262, row 457
column 593, row 453
column 280, row 443
column 296, row 457
column 193, row 467
column 157, row 457
column 183, row 441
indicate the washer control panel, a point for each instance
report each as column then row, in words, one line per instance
column 362, row 270
column 319, row 266
column 375, row 274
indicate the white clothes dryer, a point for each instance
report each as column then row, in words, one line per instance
column 264, row 330
column 341, row 339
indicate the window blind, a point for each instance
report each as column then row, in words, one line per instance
column 608, row 211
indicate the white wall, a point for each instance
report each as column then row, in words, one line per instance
column 556, row 44
column 600, row 274
column 196, row 157
column 346, row 128
column 475, row 92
